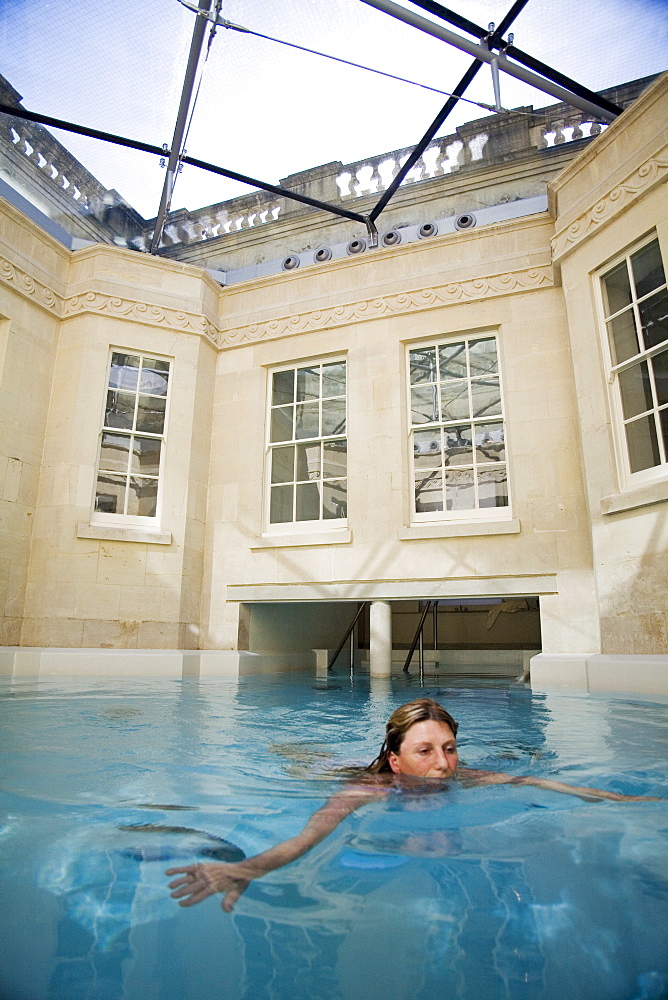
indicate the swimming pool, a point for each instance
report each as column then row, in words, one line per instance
column 483, row 893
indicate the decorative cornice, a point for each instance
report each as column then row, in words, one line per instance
column 96, row 302
column 390, row 305
column 620, row 197
column 30, row 287
column 319, row 319
column 139, row 312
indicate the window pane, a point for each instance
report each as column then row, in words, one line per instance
column 458, row 445
column 308, row 462
column 283, row 387
column 283, row 464
column 334, row 459
column 124, row 371
column 120, row 409
column 647, row 269
column 663, row 419
column 334, row 499
column 142, row 497
column 146, row 456
column 110, row 494
column 642, row 443
column 151, row 414
column 423, row 365
column 115, row 452
column 281, row 423
column 654, row 319
column 333, row 416
column 308, row 502
column 622, row 335
column 455, row 401
column 660, row 365
column 429, row 493
column 424, row 405
column 493, row 488
column 427, row 449
column 452, row 360
column 334, row 379
column 490, row 443
column 459, row 491
column 616, row 289
column 482, row 357
column 307, row 420
column 280, row 506
column 486, row 397
column 308, row 383
column 154, row 377
column 635, row 389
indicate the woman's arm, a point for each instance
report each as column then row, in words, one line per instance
column 589, row 794
column 204, row 879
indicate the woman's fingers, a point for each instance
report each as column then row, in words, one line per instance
column 230, row 899
column 179, row 881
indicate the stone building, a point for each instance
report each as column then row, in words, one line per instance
column 210, row 457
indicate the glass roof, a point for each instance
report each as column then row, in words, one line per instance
column 267, row 110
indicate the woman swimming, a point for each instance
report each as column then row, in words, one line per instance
column 420, row 743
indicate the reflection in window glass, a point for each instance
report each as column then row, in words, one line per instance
column 635, row 303
column 307, row 444
column 459, row 460
column 129, row 462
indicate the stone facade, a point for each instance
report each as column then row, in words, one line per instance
column 209, row 573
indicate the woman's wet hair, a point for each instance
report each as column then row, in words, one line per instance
column 420, row 710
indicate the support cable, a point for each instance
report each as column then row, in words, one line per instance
column 224, row 23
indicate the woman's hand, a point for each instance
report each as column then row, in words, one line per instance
column 204, row 879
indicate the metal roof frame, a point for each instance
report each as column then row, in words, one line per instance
column 537, row 73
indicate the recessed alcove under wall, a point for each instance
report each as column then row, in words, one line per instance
column 468, row 632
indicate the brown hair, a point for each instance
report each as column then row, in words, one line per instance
column 401, row 721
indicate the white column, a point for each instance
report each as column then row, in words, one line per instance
column 380, row 639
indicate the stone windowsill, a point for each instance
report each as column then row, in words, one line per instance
column 641, row 496
column 337, row 536
column 127, row 533
column 453, row 529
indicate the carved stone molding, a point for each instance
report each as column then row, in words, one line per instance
column 96, row 302
column 390, row 305
column 139, row 312
column 620, row 197
column 30, row 287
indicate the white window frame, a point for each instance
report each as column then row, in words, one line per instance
column 99, row 517
column 503, row 513
column 627, row 478
column 321, row 525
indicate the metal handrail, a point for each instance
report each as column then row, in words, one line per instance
column 417, row 638
column 347, row 635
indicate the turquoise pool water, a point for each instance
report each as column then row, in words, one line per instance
column 478, row 894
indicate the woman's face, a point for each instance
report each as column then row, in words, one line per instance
column 428, row 750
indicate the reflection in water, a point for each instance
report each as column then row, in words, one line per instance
column 472, row 894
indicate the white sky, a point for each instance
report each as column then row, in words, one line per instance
column 268, row 111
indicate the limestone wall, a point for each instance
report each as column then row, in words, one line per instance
column 614, row 195
column 498, row 278
column 34, row 270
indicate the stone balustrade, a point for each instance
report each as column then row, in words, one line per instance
column 481, row 143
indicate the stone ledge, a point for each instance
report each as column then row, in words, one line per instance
column 337, row 536
column 111, row 533
column 593, row 672
column 641, row 496
column 38, row 663
column 454, row 528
